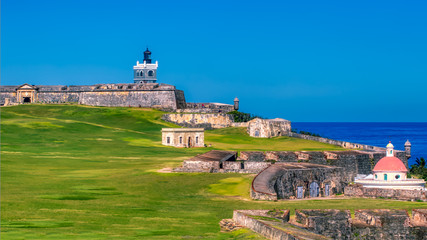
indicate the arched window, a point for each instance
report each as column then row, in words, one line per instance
column 197, row 139
column 180, row 139
column 385, row 176
column 397, row 176
column 150, row 73
column 141, row 74
column 376, row 176
column 168, row 140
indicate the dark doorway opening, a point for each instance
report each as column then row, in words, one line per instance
column 314, row 189
column 300, row 192
column 27, row 100
column 327, row 190
column 189, row 142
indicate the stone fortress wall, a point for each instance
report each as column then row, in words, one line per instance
column 335, row 223
column 357, row 190
column 206, row 121
column 154, row 95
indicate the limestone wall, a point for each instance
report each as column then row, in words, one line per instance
column 357, row 190
column 328, row 222
column 369, row 224
column 57, row 97
column 267, row 128
column 134, row 95
column 165, row 99
column 207, row 121
column 335, row 142
column 10, row 95
column 243, row 217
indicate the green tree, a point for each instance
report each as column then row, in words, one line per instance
column 419, row 168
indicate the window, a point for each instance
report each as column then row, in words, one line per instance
column 197, row 139
column 376, row 176
column 180, row 139
column 150, row 73
column 385, row 176
column 168, row 140
column 397, row 176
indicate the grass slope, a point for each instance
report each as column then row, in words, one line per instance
column 76, row 172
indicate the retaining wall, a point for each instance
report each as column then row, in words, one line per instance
column 206, row 121
column 357, row 190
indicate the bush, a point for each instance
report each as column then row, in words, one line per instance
column 242, row 117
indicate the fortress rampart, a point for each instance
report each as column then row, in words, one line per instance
column 343, row 144
column 197, row 120
column 134, row 95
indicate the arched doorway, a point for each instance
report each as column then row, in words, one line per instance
column 327, row 190
column 300, row 190
column 27, row 100
column 314, row 189
column 189, row 142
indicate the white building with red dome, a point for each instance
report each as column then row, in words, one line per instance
column 390, row 172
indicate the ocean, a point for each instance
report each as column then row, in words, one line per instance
column 376, row 134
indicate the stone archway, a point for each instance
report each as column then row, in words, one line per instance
column 27, row 100
column 314, row 189
column 189, row 142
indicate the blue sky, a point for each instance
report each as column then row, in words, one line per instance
column 298, row 60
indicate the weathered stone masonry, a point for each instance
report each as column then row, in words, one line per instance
column 335, row 224
column 135, row 95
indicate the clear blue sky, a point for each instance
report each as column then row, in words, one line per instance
column 298, row 60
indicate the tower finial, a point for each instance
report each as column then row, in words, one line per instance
column 390, row 150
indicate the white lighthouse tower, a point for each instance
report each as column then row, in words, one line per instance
column 145, row 72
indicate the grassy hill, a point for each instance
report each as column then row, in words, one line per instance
column 77, row 172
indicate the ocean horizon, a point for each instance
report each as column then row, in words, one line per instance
column 373, row 133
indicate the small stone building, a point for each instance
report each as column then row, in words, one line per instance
column 183, row 137
column 267, row 128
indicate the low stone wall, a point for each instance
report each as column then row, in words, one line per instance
column 384, row 224
column 252, row 156
column 243, row 218
column 334, row 224
column 420, row 216
column 209, row 107
column 335, row 142
column 198, row 164
column 206, row 121
column 239, row 124
column 357, row 190
column 328, row 222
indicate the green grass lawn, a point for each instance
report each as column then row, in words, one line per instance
column 77, row 172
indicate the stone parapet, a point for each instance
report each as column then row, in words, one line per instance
column 206, row 121
column 357, row 190
column 328, row 222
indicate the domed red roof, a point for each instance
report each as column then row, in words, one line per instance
column 392, row 164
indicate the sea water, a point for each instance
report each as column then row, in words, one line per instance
column 376, row 134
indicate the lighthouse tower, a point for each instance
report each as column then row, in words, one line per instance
column 145, row 72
